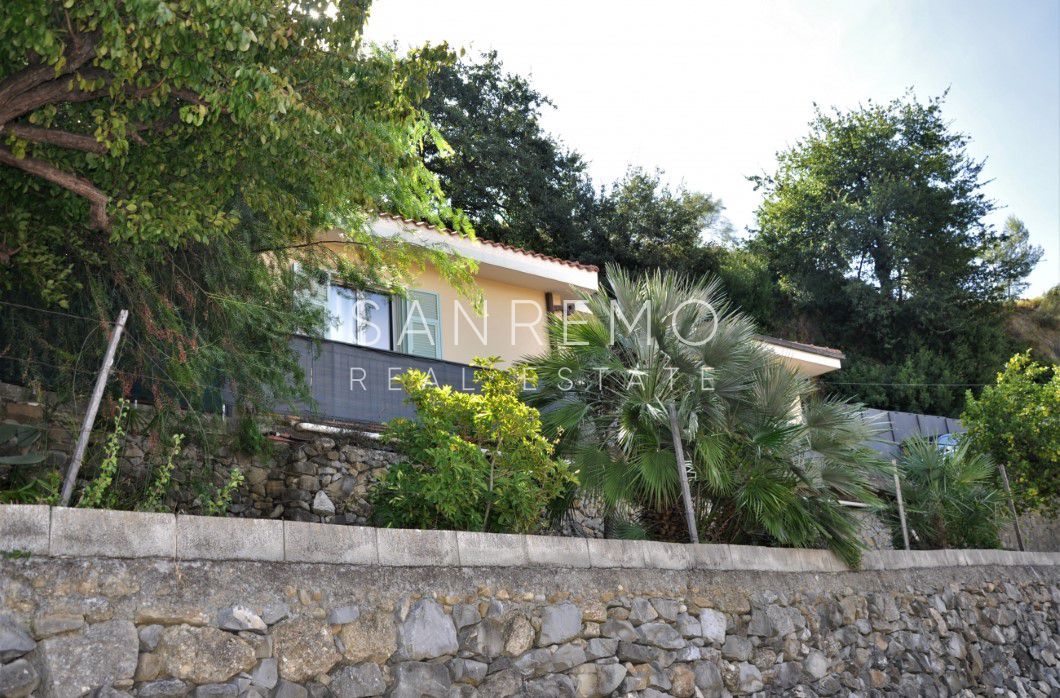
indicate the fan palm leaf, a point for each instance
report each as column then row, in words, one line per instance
column 769, row 460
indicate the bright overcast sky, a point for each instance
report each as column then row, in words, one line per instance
column 709, row 91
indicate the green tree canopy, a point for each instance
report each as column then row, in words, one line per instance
column 1013, row 258
column 515, row 182
column 642, row 223
column 874, row 227
column 170, row 158
column 518, row 184
column 1017, row 421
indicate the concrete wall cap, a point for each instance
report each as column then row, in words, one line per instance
column 609, row 553
column 406, row 547
column 110, row 533
column 25, row 528
column 305, row 541
column 58, row 531
column 217, row 538
column 491, row 549
column 556, row 551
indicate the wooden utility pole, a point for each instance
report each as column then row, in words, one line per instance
column 93, row 408
column 682, row 471
column 1011, row 505
column 901, row 505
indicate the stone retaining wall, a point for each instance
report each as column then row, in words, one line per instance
column 1040, row 532
column 304, row 476
column 160, row 605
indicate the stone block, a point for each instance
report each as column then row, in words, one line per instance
column 427, row 632
column 667, row 556
column 711, row 556
column 559, row 623
column 616, row 553
column 554, row 551
column 402, row 547
column 109, row 533
column 908, row 559
column 213, row 538
column 491, row 549
column 326, row 543
column 18, row 679
column 104, row 654
column 24, row 527
column 25, row 412
column 761, row 558
column 203, row 655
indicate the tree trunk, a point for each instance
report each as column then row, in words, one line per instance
column 666, row 524
column 686, row 493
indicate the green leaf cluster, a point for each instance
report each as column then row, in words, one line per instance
column 98, row 492
column 874, row 228
column 175, row 159
column 769, row 461
column 951, row 497
column 1017, row 421
column 474, row 461
column 19, row 438
column 518, row 184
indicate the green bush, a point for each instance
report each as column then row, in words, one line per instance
column 475, row 461
column 1017, row 421
column 155, row 497
column 950, row 497
column 218, row 503
column 248, row 438
column 99, row 493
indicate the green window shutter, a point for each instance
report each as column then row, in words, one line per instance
column 422, row 324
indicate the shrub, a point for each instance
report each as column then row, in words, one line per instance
column 950, row 497
column 218, row 504
column 475, row 461
column 154, row 499
column 248, row 438
column 98, row 493
column 1017, row 421
column 759, row 472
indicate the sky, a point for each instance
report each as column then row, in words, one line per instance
column 710, row 91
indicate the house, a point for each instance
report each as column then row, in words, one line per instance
column 375, row 337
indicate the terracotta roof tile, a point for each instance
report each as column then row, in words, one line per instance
column 490, row 243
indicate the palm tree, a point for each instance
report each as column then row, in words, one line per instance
column 951, row 498
column 759, row 471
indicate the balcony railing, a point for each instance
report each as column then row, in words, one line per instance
column 356, row 384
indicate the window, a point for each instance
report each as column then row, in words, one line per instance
column 371, row 319
column 419, row 328
column 359, row 317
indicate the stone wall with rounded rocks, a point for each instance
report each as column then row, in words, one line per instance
column 305, row 475
column 454, row 615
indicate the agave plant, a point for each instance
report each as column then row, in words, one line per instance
column 767, row 460
column 951, row 497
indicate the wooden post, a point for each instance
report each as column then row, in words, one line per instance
column 1011, row 505
column 93, row 408
column 686, row 492
column 901, row 505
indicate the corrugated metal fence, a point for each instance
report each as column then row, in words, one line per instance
column 899, row 426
